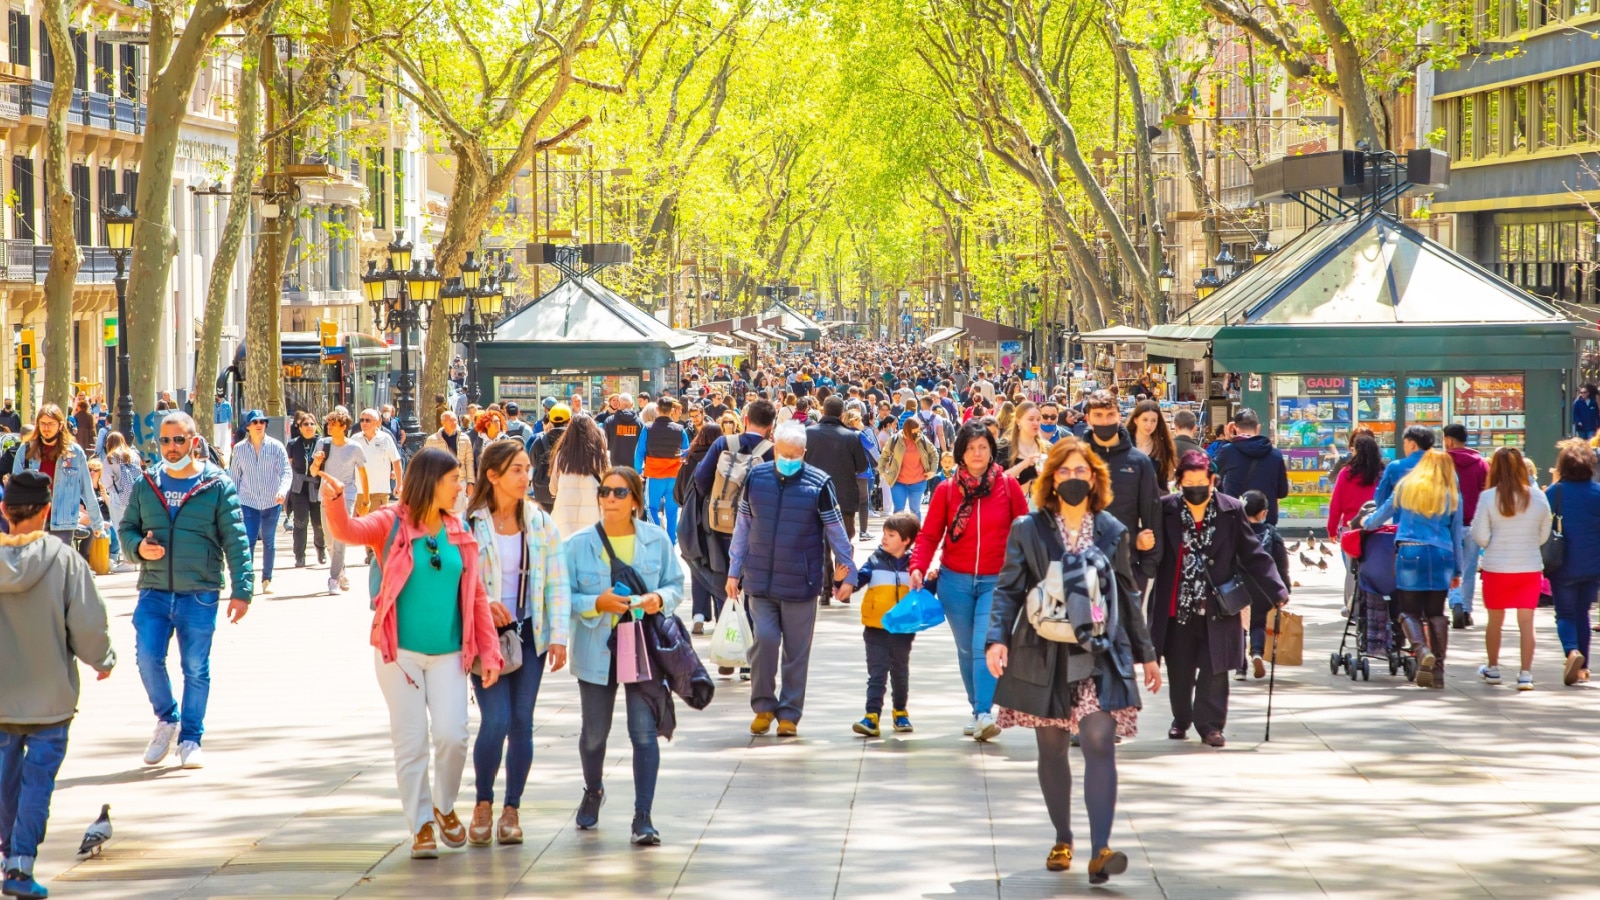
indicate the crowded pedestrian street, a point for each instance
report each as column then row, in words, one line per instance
column 1481, row 792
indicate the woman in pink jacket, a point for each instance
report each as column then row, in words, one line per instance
column 431, row 622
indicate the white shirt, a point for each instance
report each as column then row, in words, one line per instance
column 382, row 454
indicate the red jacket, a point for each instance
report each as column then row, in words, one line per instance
column 982, row 548
column 1349, row 495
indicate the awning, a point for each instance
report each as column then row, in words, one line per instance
column 743, row 335
column 985, row 330
column 718, row 351
column 1170, row 348
column 942, row 335
column 771, row 335
column 1116, row 334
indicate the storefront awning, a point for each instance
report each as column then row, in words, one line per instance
column 743, row 335
column 985, row 330
column 772, row 335
column 1116, row 334
column 1170, row 348
column 942, row 335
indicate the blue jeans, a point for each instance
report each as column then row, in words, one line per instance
column 1461, row 597
column 506, row 721
column 598, row 702
column 1572, row 600
column 967, row 600
column 658, row 492
column 193, row 617
column 908, row 497
column 28, row 767
column 263, row 524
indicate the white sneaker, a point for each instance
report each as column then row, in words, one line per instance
column 161, row 744
column 266, row 587
column 1525, row 681
column 1490, row 674
column 122, row 567
column 190, row 756
column 970, row 728
column 987, row 729
column 333, row 585
column 344, row 582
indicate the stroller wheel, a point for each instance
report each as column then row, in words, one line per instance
column 1409, row 663
column 1366, row 670
column 1334, row 660
column 1353, row 666
column 1394, row 663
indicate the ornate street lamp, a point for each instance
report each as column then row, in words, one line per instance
column 1165, row 278
column 1225, row 264
column 1263, row 249
column 472, row 306
column 1207, row 283
column 401, row 298
column 119, row 236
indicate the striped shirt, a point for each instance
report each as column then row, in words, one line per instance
column 261, row 476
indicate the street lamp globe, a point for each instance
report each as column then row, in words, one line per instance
column 425, row 289
column 1207, row 283
column 492, row 301
column 453, row 300
column 1165, row 278
column 119, row 223
column 1225, row 264
column 1263, row 249
column 470, row 272
column 400, row 252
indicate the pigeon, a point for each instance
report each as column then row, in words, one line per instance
column 97, row 834
column 1322, row 564
column 1294, row 546
column 1324, row 549
column 1307, row 561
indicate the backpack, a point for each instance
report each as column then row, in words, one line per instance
column 733, row 467
column 1068, row 605
column 539, row 449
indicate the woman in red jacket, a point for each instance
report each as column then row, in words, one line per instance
column 1355, row 484
column 971, row 517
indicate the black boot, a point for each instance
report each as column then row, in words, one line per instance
column 1440, row 628
column 1416, row 633
column 1458, row 617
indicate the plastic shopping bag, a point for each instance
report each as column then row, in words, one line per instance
column 633, row 656
column 917, row 611
column 730, row 643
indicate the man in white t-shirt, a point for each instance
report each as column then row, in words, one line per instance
column 383, row 462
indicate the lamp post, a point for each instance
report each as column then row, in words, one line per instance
column 119, row 235
column 402, row 300
column 472, row 307
column 1207, row 283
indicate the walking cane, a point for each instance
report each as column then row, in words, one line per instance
column 1272, row 676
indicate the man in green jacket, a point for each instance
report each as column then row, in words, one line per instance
column 183, row 519
column 50, row 612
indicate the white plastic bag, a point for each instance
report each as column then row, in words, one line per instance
column 730, row 643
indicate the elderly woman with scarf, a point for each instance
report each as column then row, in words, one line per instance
column 970, row 516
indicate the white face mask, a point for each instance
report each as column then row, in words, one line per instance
column 179, row 470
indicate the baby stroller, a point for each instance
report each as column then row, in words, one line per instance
column 1371, row 624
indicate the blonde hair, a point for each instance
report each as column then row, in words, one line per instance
column 1431, row 489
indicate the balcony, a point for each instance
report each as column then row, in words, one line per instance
column 10, row 102
column 28, row 262
column 88, row 110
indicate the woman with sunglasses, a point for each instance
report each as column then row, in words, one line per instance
column 525, row 574
column 596, row 556
column 431, row 622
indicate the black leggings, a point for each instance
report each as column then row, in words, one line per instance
column 1420, row 603
column 1098, row 739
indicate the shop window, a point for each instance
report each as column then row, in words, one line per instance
column 1492, row 409
column 1309, row 413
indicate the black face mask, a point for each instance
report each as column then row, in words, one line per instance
column 1196, row 494
column 1106, row 432
column 1073, row 491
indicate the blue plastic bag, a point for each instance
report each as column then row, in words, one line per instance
column 916, row 611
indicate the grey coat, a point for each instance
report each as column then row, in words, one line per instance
column 51, row 615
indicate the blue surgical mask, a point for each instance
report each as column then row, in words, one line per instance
column 1048, row 428
column 787, row 466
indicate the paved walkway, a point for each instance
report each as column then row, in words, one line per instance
column 1368, row 789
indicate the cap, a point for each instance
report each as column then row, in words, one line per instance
column 28, row 488
column 560, row 413
column 548, row 402
column 252, row 416
column 512, row 409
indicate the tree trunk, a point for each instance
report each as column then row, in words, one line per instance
column 1155, row 303
column 1347, row 63
column 63, row 274
column 244, row 176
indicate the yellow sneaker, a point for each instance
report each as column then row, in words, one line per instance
column 787, row 728
column 762, row 723
column 868, row 726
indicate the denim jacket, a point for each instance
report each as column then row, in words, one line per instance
column 655, row 558
column 1443, row 531
column 70, row 489
column 547, row 603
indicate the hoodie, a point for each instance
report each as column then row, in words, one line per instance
column 1135, row 494
column 1472, row 473
column 1253, row 464
column 50, row 612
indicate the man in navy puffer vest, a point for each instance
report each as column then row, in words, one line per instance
column 787, row 519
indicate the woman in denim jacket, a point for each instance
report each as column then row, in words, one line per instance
column 596, row 608
column 524, row 574
column 52, row 451
column 1427, row 559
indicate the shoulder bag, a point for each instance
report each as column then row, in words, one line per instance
column 1233, row 595
column 1554, row 550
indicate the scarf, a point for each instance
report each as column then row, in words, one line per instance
column 1194, row 581
column 972, row 490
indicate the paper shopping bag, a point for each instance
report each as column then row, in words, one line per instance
column 633, row 657
column 1286, row 635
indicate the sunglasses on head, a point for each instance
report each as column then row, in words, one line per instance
column 621, row 493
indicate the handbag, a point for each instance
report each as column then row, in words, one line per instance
column 1233, row 595
column 1554, row 551
column 510, row 651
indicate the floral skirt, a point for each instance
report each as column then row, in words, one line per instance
column 1085, row 701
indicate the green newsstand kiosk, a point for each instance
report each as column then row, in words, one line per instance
column 1364, row 321
column 580, row 337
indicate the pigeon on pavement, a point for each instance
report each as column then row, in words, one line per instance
column 97, row 834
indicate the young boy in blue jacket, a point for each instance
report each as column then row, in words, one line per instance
column 886, row 578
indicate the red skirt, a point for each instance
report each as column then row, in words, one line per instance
column 1511, row 590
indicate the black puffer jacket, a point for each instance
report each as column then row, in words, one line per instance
column 1135, row 495
column 836, row 449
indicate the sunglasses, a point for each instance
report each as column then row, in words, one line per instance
column 1048, row 418
column 621, row 493
column 433, row 554
column 178, row 441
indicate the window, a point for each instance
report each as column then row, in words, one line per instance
column 1491, row 123
column 1519, row 14
column 80, row 56
column 1518, row 114
column 130, row 70
column 105, row 65
column 399, row 185
column 1462, row 146
column 1578, row 109
column 130, row 186
column 22, row 213
column 19, row 29
column 82, row 219
column 47, row 57
column 377, row 192
column 107, row 190
column 1549, row 115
